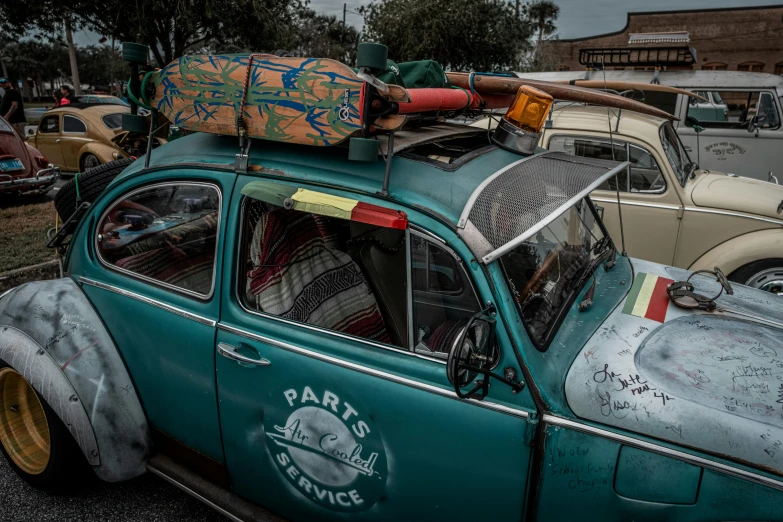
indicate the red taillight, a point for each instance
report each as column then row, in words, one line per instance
column 42, row 161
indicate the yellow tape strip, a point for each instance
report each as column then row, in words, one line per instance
column 323, row 204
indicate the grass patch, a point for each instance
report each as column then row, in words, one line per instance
column 23, row 224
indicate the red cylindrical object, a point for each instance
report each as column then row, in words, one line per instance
column 429, row 100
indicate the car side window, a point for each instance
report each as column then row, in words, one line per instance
column 50, row 124
column 443, row 297
column 164, row 234
column 767, row 113
column 735, row 110
column 646, row 176
column 599, row 149
column 332, row 273
column 72, row 124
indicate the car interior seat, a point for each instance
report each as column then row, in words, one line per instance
column 381, row 252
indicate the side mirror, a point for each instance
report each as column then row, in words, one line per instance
column 473, row 354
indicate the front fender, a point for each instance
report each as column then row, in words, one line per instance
column 741, row 250
column 51, row 334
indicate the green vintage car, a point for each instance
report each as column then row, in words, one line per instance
column 283, row 336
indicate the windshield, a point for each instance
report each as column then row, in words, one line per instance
column 716, row 98
column 675, row 152
column 546, row 272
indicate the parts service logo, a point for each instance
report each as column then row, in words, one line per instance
column 328, row 450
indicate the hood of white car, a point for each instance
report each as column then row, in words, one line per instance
column 722, row 192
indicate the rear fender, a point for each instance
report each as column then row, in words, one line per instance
column 50, row 333
column 741, row 250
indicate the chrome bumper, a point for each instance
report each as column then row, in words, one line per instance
column 44, row 176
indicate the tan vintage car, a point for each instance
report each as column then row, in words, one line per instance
column 674, row 212
column 80, row 136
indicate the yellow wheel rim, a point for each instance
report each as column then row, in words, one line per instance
column 24, row 431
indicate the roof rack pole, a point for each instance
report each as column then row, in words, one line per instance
column 387, row 174
column 153, row 120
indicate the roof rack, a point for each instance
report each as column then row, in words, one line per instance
column 596, row 58
column 77, row 105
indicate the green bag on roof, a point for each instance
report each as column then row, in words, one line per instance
column 423, row 73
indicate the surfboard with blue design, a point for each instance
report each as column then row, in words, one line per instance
column 312, row 101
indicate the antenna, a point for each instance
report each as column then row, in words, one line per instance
column 617, row 179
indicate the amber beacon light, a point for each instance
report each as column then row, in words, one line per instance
column 520, row 129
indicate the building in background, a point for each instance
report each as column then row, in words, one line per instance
column 732, row 39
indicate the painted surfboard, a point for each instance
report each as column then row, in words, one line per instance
column 313, row 101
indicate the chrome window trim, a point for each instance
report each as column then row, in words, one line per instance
column 311, row 327
column 409, row 296
column 735, row 214
column 463, row 219
column 561, row 422
column 543, row 223
column 373, row 372
column 77, row 119
column 635, row 203
column 167, row 286
column 148, row 300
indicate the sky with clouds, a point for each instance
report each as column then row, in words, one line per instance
column 577, row 17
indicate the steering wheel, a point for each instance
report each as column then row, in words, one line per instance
column 539, row 278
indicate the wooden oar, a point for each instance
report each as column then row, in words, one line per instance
column 616, row 85
column 510, row 86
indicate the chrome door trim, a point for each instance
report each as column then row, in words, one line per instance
column 635, row 203
column 735, row 214
column 147, row 300
column 197, row 496
column 555, row 420
column 372, row 371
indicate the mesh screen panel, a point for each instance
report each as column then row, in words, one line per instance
column 523, row 195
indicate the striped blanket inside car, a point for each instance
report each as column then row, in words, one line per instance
column 298, row 273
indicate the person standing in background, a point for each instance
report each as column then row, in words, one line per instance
column 12, row 107
column 67, row 93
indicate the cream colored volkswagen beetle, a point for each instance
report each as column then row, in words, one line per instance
column 673, row 212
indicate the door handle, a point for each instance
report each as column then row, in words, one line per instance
column 230, row 352
column 57, row 140
column 688, row 149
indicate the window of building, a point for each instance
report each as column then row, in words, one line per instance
column 50, row 124
column 732, row 109
column 564, row 68
column 644, row 174
column 351, row 277
column 751, row 67
column 165, row 234
column 779, row 68
column 73, row 125
column 715, row 66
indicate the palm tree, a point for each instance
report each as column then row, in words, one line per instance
column 542, row 14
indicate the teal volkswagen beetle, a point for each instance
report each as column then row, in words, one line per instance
column 283, row 334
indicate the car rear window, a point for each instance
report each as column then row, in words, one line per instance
column 4, row 127
column 113, row 121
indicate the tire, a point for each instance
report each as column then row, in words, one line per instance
column 89, row 161
column 766, row 274
column 92, row 183
column 64, row 467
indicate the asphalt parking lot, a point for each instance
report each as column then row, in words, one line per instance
column 147, row 498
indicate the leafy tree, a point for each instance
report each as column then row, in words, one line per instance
column 481, row 35
column 542, row 15
column 169, row 28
